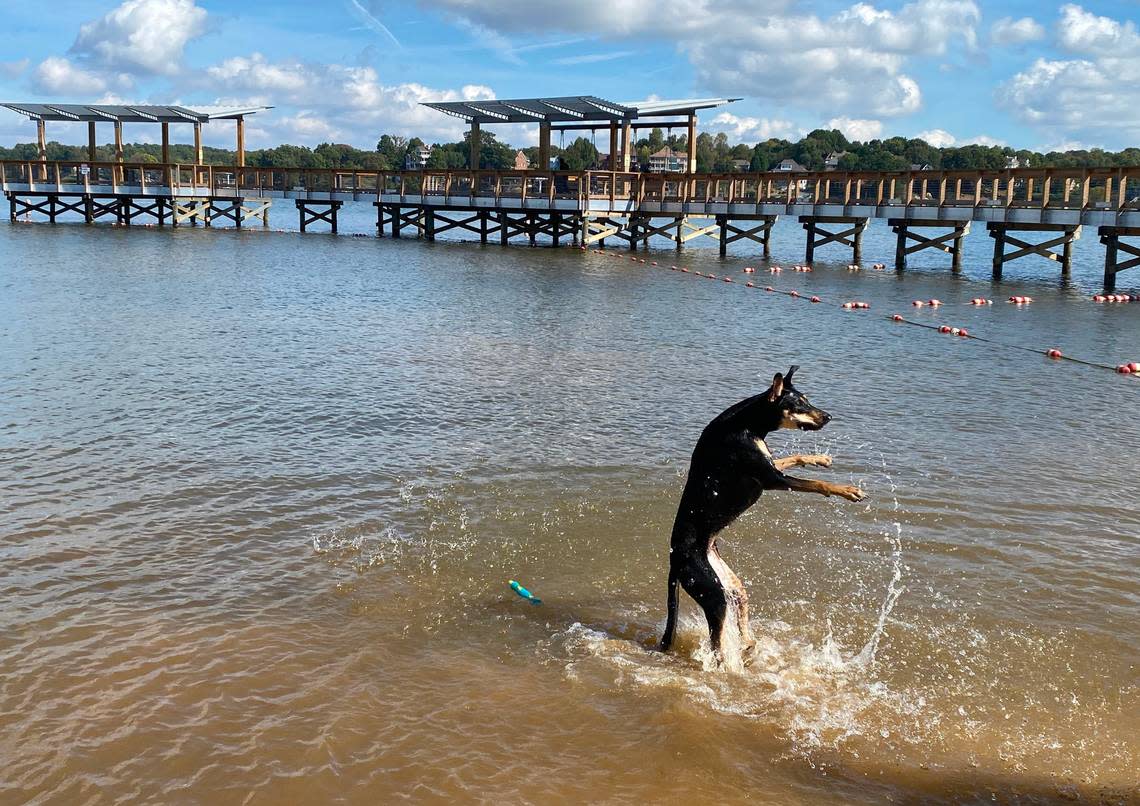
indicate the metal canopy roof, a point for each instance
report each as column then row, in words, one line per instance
column 571, row 108
column 131, row 113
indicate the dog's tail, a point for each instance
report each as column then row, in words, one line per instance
column 671, row 617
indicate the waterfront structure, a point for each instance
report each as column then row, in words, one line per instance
column 591, row 207
column 582, row 113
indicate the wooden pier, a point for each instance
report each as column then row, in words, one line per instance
column 1028, row 212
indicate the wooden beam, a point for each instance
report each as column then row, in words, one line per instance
column 197, row 143
column 165, row 143
column 543, row 146
column 625, row 144
column 91, row 149
column 118, row 141
column 692, row 143
column 473, row 157
column 241, row 142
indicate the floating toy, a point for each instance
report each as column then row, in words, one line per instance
column 524, row 593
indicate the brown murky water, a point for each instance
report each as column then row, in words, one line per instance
column 262, row 494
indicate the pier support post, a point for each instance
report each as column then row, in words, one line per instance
column 1066, row 234
column 1110, row 237
column 429, row 224
column 760, row 231
column 817, row 236
column 310, row 211
column 903, row 226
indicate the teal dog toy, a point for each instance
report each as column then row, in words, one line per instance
column 524, row 593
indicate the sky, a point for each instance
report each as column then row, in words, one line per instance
column 1035, row 75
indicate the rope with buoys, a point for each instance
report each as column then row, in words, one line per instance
column 1132, row 368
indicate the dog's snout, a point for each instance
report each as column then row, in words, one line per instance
column 824, row 417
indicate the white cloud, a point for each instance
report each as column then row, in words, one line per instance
column 336, row 101
column 1008, row 31
column 981, row 140
column 1095, row 96
column 1080, row 31
column 857, row 128
column 748, row 129
column 146, row 36
column 939, row 138
column 13, row 69
column 58, row 76
column 851, row 63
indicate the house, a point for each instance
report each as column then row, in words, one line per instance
column 789, row 165
column 416, row 158
column 668, row 161
column 921, row 166
column 521, row 161
column 741, row 166
column 1015, row 162
column 831, row 161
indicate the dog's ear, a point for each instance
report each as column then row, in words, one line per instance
column 777, row 388
column 791, row 372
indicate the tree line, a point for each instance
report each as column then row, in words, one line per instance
column 714, row 154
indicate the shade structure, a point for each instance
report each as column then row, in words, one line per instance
column 577, row 112
column 574, row 108
column 130, row 113
column 118, row 114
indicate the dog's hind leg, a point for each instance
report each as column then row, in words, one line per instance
column 738, row 598
column 671, row 614
column 701, row 581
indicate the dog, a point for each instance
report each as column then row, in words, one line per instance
column 730, row 468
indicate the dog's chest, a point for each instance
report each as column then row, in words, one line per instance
column 762, row 446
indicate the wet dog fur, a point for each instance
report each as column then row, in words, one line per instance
column 730, row 468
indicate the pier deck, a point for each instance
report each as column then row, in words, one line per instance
column 591, row 206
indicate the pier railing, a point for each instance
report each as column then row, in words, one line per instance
column 1103, row 189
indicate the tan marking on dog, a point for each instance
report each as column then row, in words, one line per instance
column 763, row 447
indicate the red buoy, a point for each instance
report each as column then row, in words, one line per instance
column 918, row 303
column 1124, row 369
column 849, row 305
column 769, row 288
column 944, row 329
column 749, row 285
column 1053, row 353
column 748, row 270
column 963, row 332
column 793, row 293
column 816, row 299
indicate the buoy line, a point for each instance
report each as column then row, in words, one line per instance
column 1132, row 368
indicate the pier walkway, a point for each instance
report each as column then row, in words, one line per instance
column 926, row 209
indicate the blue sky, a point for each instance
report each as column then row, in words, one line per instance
column 1033, row 75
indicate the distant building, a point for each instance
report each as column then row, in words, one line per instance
column 521, row 161
column 831, row 161
column 416, row 158
column 740, row 166
column 1015, row 162
column 789, row 165
column 668, row 161
column 921, row 166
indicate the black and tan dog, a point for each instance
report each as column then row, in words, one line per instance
column 731, row 467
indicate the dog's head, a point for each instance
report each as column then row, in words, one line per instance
column 794, row 409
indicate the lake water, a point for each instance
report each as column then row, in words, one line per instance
column 262, row 494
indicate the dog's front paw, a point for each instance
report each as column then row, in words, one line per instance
column 818, row 460
column 850, row 492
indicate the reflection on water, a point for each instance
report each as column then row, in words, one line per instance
column 263, row 495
